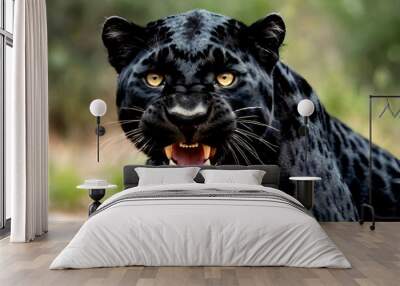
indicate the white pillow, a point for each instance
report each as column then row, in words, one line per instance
column 247, row 177
column 166, row 176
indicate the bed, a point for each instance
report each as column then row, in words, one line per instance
column 198, row 224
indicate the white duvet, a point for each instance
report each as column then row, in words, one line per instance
column 185, row 231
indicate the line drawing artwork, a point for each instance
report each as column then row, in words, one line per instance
column 388, row 107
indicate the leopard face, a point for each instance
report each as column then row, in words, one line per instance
column 196, row 88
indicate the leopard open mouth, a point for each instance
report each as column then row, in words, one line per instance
column 189, row 154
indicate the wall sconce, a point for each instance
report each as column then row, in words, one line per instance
column 98, row 108
column 305, row 108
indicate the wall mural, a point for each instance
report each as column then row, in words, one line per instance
column 201, row 88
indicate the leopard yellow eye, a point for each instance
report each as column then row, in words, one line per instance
column 225, row 79
column 154, row 79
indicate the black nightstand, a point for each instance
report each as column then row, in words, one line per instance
column 304, row 192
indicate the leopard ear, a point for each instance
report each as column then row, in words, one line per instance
column 123, row 41
column 266, row 36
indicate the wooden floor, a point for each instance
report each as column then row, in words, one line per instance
column 375, row 257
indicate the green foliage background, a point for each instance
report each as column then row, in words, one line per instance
column 346, row 49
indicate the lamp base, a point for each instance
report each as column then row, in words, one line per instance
column 96, row 195
column 362, row 215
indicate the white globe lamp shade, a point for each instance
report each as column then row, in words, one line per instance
column 98, row 107
column 305, row 107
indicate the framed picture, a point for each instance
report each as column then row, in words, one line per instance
column 384, row 119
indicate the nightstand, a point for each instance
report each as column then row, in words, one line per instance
column 304, row 192
column 97, row 190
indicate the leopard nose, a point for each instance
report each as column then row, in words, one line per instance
column 183, row 116
column 187, row 120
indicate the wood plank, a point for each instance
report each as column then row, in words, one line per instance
column 375, row 257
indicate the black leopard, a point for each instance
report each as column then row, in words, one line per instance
column 202, row 88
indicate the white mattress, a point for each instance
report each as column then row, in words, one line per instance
column 191, row 231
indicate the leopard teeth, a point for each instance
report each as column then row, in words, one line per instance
column 183, row 145
column 206, row 151
column 168, row 151
column 206, row 163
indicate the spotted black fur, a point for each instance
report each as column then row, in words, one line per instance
column 254, row 121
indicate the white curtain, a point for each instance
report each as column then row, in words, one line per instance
column 27, row 123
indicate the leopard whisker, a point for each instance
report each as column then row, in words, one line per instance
column 112, row 138
column 243, row 141
column 266, row 50
column 259, row 123
column 133, row 133
column 252, row 135
column 240, row 151
column 246, row 108
column 120, row 137
column 247, row 116
column 145, row 145
column 256, row 136
column 113, row 141
column 121, row 122
column 151, row 146
column 233, row 152
column 245, row 125
column 136, row 138
column 248, row 147
column 135, row 108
